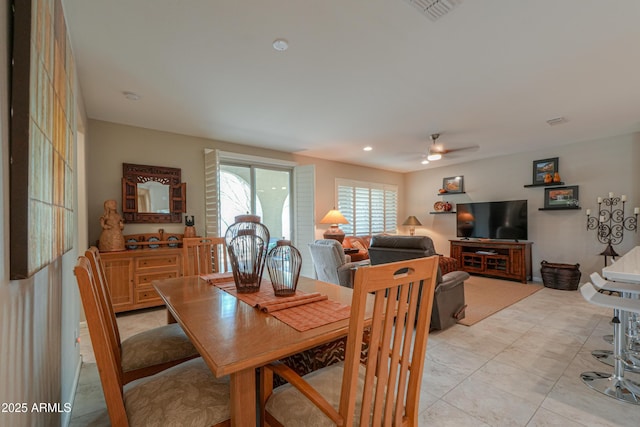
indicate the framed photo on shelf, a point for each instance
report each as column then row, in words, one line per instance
column 543, row 167
column 561, row 197
column 453, row 184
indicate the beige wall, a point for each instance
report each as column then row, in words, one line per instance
column 328, row 171
column 598, row 167
column 109, row 145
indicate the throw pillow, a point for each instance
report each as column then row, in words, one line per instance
column 359, row 246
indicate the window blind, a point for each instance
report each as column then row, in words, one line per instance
column 370, row 208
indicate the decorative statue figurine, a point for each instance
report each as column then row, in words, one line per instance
column 111, row 238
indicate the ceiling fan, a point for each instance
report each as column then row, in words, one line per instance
column 437, row 151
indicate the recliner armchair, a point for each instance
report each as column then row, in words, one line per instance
column 331, row 264
column 448, row 303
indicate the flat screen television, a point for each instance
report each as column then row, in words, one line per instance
column 492, row 220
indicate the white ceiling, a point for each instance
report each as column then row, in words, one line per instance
column 364, row 72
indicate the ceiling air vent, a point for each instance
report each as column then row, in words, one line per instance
column 557, row 121
column 434, row 9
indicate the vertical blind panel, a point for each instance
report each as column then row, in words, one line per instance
column 346, row 207
column 391, row 209
column 362, row 220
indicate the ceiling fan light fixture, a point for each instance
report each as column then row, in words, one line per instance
column 433, row 153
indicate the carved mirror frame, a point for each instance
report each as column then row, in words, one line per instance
column 133, row 174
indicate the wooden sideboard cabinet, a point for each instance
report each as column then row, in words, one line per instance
column 129, row 275
column 510, row 260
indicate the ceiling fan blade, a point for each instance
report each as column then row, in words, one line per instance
column 453, row 150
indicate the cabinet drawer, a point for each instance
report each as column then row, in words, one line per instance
column 157, row 261
column 144, row 279
column 146, row 295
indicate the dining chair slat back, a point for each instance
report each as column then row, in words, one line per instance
column 147, row 352
column 204, row 255
column 106, row 354
column 203, row 399
column 100, row 277
column 386, row 391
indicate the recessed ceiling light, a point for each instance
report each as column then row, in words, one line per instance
column 425, row 162
column 368, row 148
column 131, row 96
column 280, row 45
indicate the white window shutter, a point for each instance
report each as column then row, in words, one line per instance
column 370, row 208
column 304, row 182
column 211, row 192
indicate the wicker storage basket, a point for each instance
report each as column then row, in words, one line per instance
column 560, row 276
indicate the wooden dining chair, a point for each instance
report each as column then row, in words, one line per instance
column 386, row 389
column 204, row 255
column 185, row 394
column 147, row 352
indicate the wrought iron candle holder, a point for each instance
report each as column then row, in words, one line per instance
column 611, row 223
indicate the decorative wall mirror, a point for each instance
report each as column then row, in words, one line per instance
column 152, row 194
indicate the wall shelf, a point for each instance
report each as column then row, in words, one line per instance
column 442, row 212
column 561, row 209
column 448, row 194
column 551, row 184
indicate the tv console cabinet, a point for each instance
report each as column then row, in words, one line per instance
column 498, row 258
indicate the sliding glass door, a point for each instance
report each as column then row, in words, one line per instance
column 257, row 190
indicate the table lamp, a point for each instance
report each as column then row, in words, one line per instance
column 412, row 221
column 334, row 217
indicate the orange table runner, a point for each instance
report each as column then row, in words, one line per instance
column 302, row 311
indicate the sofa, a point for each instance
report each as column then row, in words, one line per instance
column 448, row 303
column 361, row 243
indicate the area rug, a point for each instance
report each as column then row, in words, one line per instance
column 485, row 296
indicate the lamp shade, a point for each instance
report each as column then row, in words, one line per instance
column 334, row 217
column 412, row 220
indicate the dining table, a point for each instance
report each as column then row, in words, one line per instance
column 234, row 338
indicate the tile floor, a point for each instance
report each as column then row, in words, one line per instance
column 519, row 367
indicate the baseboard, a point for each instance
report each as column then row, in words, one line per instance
column 66, row 416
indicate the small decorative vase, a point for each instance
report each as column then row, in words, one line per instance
column 284, row 262
column 447, row 207
column 548, row 178
column 189, row 229
column 247, row 242
column 556, row 177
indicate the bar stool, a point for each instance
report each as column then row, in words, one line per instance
column 613, row 385
column 628, row 320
